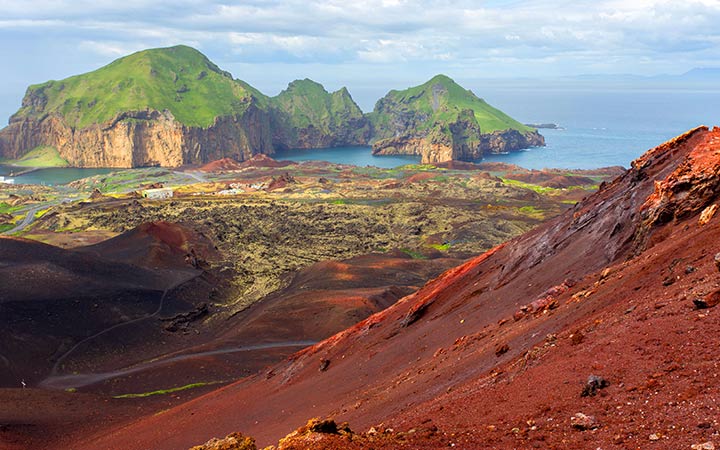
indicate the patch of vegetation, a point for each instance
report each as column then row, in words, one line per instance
column 6, row 208
column 42, row 156
column 413, row 254
column 168, row 391
column 308, row 103
column 6, row 227
column 442, row 247
column 533, row 187
column 439, row 100
column 532, row 211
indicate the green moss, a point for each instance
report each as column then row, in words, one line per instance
column 413, row 254
column 168, row 391
column 178, row 79
column 533, row 187
column 442, row 247
column 42, row 156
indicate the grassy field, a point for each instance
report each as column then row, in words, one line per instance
column 43, row 156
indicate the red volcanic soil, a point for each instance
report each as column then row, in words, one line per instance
column 220, row 165
column 496, row 353
column 229, row 164
column 159, row 245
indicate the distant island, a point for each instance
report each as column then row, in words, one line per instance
column 546, row 126
column 173, row 106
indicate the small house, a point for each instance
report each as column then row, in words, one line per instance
column 158, row 194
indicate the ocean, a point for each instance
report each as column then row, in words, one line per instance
column 599, row 129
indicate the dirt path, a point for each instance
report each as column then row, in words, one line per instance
column 65, row 355
column 81, row 380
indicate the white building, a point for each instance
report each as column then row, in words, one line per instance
column 158, row 194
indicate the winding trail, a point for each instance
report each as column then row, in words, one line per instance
column 81, row 380
column 64, row 356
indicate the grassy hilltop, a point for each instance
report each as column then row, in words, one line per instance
column 440, row 100
column 178, row 79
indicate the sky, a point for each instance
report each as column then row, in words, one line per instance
column 369, row 46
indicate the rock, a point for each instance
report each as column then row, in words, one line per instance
column 707, row 214
column 654, row 437
column 324, row 364
column 502, row 349
column 584, row 422
column 704, row 446
column 717, row 261
column 234, row 441
column 709, row 301
column 594, row 383
column 455, row 128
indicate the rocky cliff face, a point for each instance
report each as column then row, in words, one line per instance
column 173, row 106
column 305, row 115
column 461, row 140
column 141, row 138
column 441, row 121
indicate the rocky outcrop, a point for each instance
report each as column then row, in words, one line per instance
column 461, row 140
column 141, row 138
column 440, row 121
column 305, row 115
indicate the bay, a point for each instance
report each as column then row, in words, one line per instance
column 51, row 176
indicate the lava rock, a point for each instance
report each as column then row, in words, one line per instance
column 594, row 383
column 584, row 422
column 709, row 301
column 704, row 446
column 501, row 349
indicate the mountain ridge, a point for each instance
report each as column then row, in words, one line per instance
column 173, row 106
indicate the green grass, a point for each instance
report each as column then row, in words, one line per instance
column 442, row 247
column 308, row 103
column 168, row 391
column 179, row 79
column 6, row 227
column 413, row 254
column 42, row 156
column 533, row 187
column 6, row 208
column 530, row 210
column 450, row 104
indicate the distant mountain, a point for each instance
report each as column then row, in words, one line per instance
column 703, row 74
column 440, row 120
column 308, row 116
column 173, row 106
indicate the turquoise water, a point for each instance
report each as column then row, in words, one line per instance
column 53, row 176
column 603, row 128
column 356, row 155
column 600, row 129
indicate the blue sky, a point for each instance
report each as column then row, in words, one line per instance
column 368, row 46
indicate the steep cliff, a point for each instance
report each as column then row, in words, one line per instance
column 307, row 116
column 441, row 121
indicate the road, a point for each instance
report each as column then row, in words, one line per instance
column 80, row 380
column 30, row 216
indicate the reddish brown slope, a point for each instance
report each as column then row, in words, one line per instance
column 617, row 275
